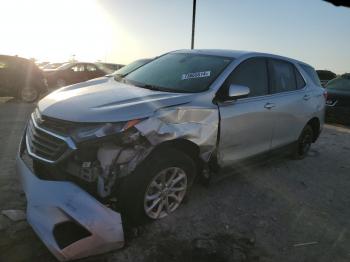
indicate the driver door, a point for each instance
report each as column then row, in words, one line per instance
column 246, row 124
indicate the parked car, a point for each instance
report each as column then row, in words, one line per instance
column 42, row 64
column 109, row 67
column 52, row 66
column 138, row 142
column 338, row 101
column 71, row 73
column 325, row 76
column 21, row 78
column 131, row 67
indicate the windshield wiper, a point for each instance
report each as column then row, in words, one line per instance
column 152, row 87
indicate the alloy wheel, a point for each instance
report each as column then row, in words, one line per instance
column 305, row 143
column 165, row 192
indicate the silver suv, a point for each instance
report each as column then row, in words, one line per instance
column 137, row 142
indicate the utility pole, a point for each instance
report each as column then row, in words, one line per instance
column 193, row 23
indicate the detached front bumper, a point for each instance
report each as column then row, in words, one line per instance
column 70, row 222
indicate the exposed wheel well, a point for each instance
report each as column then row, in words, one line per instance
column 315, row 124
column 183, row 145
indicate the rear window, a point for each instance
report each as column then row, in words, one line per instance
column 312, row 74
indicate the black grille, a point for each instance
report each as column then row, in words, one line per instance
column 43, row 144
column 57, row 126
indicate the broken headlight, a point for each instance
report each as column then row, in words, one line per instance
column 101, row 130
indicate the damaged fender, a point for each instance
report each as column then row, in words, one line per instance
column 93, row 228
column 198, row 125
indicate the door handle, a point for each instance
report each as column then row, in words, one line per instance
column 306, row 97
column 269, row 105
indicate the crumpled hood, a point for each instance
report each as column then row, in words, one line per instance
column 105, row 100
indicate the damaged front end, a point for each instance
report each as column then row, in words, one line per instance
column 78, row 169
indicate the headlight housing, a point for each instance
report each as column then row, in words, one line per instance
column 101, row 130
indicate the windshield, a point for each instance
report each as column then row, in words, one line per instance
column 180, row 72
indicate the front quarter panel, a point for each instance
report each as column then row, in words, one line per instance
column 196, row 124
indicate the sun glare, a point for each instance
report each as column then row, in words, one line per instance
column 56, row 30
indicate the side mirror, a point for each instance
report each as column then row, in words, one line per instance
column 238, row 91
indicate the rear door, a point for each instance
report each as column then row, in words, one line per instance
column 77, row 73
column 246, row 124
column 291, row 100
column 93, row 71
column 338, row 100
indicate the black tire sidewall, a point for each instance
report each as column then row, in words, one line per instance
column 29, row 101
column 298, row 154
column 132, row 191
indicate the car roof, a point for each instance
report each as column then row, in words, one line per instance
column 14, row 58
column 234, row 54
column 215, row 52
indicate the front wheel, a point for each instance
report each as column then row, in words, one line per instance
column 158, row 186
column 29, row 94
column 304, row 143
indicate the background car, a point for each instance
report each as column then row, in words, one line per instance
column 338, row 101
column 42, row 64
column 109, row 67
column 21, row 78
column 325, row 76
column 51, row 66
column 71, row 73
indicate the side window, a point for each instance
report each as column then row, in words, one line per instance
column 3, row 65
column 282, row 76
column 300, row 80
column 7, row 64
column 311, row 73
column 78, row 68
column 91, row 68
column 253, row 74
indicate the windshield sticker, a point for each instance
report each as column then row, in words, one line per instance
column 195, row 75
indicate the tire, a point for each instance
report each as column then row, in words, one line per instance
column 304, row 143
column 147, row 181
column 61, row 82
column 29, row 94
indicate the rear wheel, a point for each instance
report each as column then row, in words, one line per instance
column 304, row 143
column 157, row 187
column 29, row 94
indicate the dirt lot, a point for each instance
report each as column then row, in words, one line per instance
column 259, row 213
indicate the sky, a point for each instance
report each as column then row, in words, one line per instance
column 121, row 31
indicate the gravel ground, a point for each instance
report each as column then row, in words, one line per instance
column 277, row 210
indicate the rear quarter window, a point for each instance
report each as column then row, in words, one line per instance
column 312, row 74
column 300, row 80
